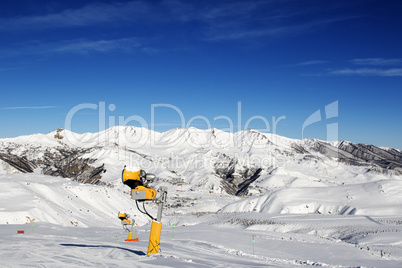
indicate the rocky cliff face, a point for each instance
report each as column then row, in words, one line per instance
column 59, row 161
column 19, row 163
column 378, row 159
column 236, row 178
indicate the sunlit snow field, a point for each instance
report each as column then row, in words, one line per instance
column 67, row 224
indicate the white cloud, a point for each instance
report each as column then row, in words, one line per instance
column 311, row 62
column 244, row 31
column 233, row 20
column 76, row 46
column 231, row 9
column 85, row 46
column 377, row 61
column 368, row 72
column 90, row 14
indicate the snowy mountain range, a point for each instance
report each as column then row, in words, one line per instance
column 222, row 161
column 275, row 172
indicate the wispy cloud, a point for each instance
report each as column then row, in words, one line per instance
column 88, row 15
column 28, row 107
column 222, row 21
column 83, row 46
column 247, row 29
column 311, row 62
column 369, row 67
column 76, row 46
column 377, row 61
column 231, row 9
column 244, row 20
column 368, row 72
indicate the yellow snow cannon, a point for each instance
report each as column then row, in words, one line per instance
column 138, row 182
column 126, row 223
column 140, row 192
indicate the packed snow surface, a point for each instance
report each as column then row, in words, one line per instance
column 67, row 224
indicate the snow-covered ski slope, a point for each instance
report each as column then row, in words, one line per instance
column 68, row 224
column 304, row 208
column 201, row 245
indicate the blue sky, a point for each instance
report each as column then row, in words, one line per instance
column 273, row 59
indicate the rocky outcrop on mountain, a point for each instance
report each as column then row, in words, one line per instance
column 378, row 159
column 69, row 163
column 20, row 163
column 236, row 178
column 237, row 182
column 60, row 161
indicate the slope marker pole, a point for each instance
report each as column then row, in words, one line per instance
column 253, row 245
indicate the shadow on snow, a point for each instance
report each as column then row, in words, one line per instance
column 140, row 253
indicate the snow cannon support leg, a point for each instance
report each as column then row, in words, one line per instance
column 154, row 238
column 130, row 236
column 156, row 227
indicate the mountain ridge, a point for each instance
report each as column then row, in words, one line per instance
column 230, row 162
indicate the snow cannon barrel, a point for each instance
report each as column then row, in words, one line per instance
column 138, row 181
column 133, row 179
column 123, row 216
